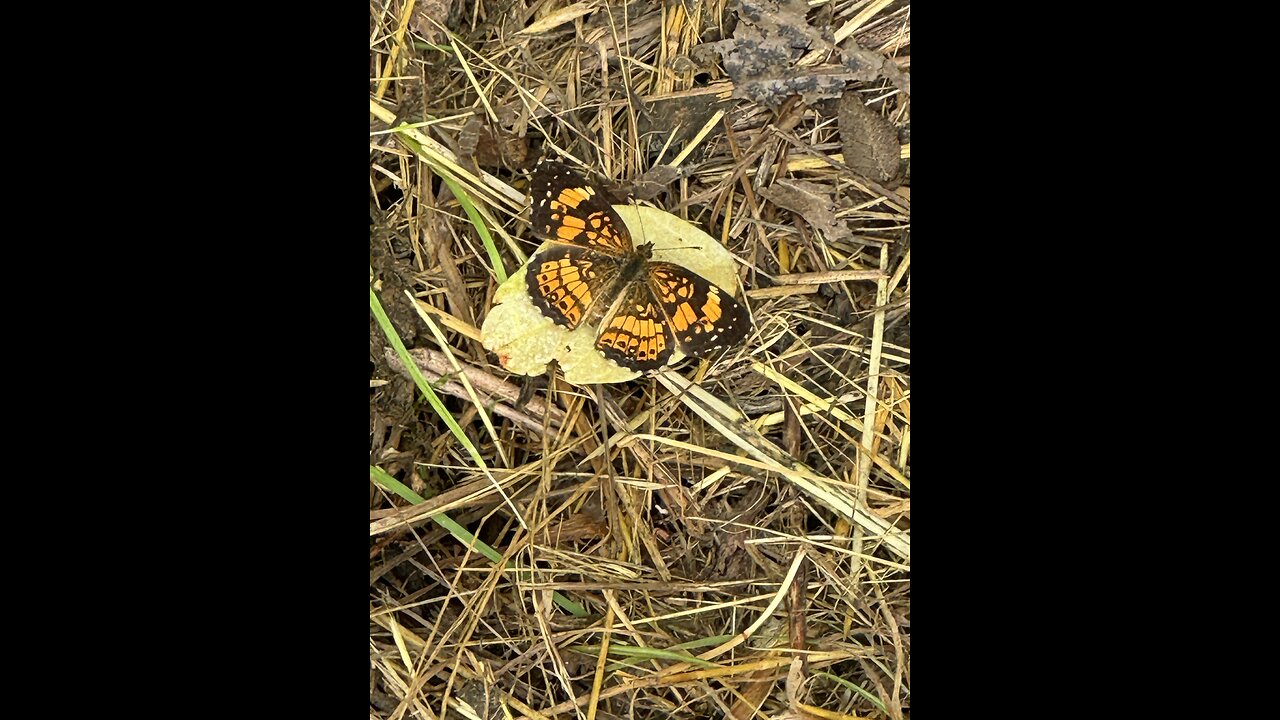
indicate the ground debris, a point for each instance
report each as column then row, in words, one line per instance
column 761, row 56
column 870, row 143
column 771, row 36
column 429, row 15
column 810, row 201
column 492, row 147
column 617, row 508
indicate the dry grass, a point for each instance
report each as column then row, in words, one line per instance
column 727, row 539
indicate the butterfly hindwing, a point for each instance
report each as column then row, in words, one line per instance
column 704, row 317
column 568, row 209
column 566, row 281
column 636, row 335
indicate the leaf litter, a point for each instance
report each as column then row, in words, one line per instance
column 772, row 35
column 730, row 538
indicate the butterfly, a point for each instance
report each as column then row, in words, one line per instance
column 592, row 273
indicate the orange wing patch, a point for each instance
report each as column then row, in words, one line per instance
column 597, row 229
column 636, row 336
column 565, row 282
column 575, row 196
column 567, row 210
column 704, row 318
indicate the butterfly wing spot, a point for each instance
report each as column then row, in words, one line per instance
column 575, row 196
column 712, row 311
column 686, row 318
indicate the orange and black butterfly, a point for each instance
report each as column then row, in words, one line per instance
column 591, row 273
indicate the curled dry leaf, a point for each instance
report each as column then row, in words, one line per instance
column 654, row 180
column 811, row 202
column 425, row 11
column 492, row 148
column 770, row 37
column 867, row 65
column 761, row 57
column 870, row 142
column 674, row 122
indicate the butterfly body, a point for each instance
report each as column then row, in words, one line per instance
column 591, row 273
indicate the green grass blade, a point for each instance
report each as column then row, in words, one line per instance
column 382, row 478
column 644, row 653
column 712, row 641
column 870, row 698
column 425, row 387
column 481, row 229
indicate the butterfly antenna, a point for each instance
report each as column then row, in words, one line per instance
column 639, row 218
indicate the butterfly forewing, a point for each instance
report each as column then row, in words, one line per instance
column 704, row 317
column 567, row 209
